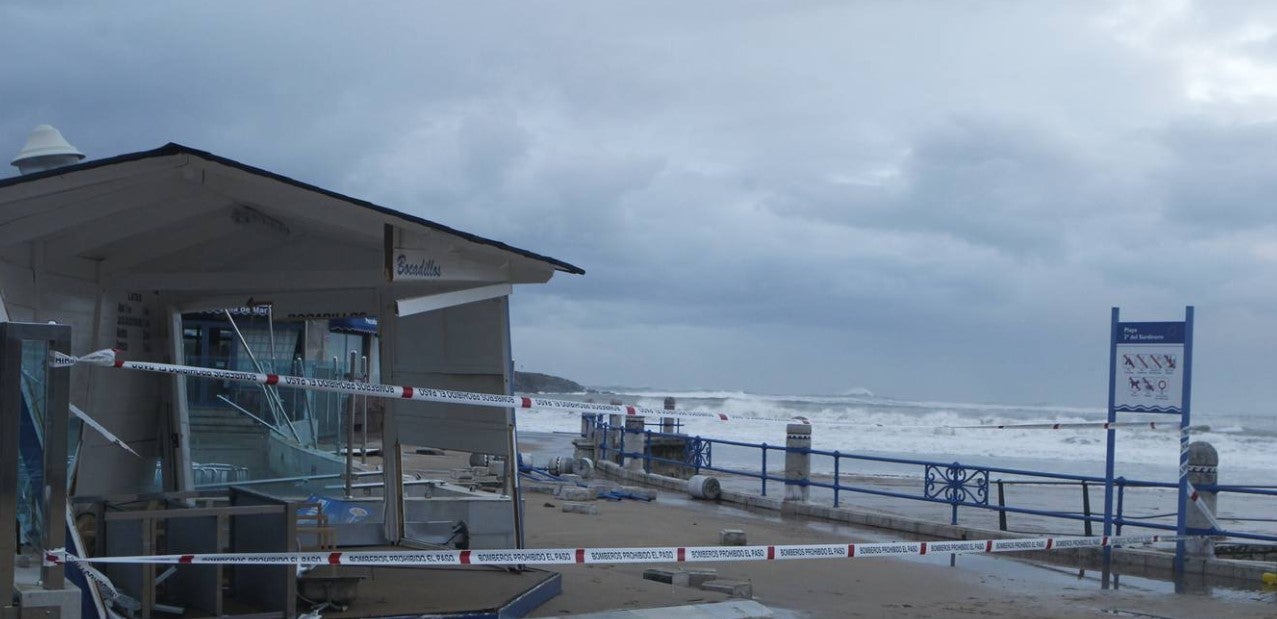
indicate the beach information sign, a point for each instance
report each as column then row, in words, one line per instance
column 1150, row 371
column 1149, row 367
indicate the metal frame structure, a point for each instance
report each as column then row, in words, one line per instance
column 57, row 410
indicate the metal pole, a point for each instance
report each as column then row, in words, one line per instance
column 516, row 492
column 953, row 520
column 764, row 469
column 1110, row 451
column 241, row 409
column 10, row 428
column 1181, row 520
column 837, row 477
column 512, row 461
column 350, row 428
column 270, row 330
column 647, row 451
column 363, row 425
column 600, row 452
column 1002, row 512
column 311, row 400
column 272, row 396
column 57, row 408
column 328, row 408
column 1086, row 509
column 1121, row 497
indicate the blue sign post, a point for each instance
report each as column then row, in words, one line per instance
column 1150, row 371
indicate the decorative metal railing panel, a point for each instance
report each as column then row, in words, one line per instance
column 698, row 453
column 957, row 484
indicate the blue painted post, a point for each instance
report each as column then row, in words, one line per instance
column 1121, row 497
column 1002, row 511
column 620, row 447
column 837, row 482
column 636, row 460
column 1181, row 522
column 1110, row 451
column 617, row 425
column 764, row 469
column 600, row 433
column 953, row 520
column 1086, row 509
column 647, row 451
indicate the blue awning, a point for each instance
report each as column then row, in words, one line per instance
column 362, row 326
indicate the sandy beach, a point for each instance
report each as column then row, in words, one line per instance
column 917, row 587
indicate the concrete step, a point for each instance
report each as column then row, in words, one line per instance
column 216, row 428
column 229, row 423
column 736, row 609
column 223, row 420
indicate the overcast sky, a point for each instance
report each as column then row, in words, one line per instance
column 930, row 200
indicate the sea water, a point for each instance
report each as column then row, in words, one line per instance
column 863, row 424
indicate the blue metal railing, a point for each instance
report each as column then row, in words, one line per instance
column 944, row 483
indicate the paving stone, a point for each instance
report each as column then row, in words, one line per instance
column 581, row 508
column 734, row 588
column 731, row 537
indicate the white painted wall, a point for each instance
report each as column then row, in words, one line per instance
column 460, row 348
column 127, row 403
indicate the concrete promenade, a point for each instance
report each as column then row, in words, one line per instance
column 926, row 525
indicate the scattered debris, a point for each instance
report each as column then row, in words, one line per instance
column 574, row 493
column 636, row 493
column 540, row 488
column 660, row 574
column 694, row 578
column 600, row 485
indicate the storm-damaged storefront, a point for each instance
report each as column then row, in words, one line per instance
column 179, row 256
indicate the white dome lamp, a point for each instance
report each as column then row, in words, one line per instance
column 46, row 149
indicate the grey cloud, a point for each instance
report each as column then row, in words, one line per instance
column 1220, row 177
column 996, row 184
column 841, row 194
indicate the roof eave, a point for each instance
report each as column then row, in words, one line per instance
column 173, row 148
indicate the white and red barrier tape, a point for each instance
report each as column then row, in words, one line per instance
column 110, row 358
column 574, row 556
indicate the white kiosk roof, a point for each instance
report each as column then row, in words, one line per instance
column 178, row 219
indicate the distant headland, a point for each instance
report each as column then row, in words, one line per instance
column 532, row 382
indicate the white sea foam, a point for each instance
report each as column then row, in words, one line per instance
column 908, row 429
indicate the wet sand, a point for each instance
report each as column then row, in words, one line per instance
column 981, row 586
